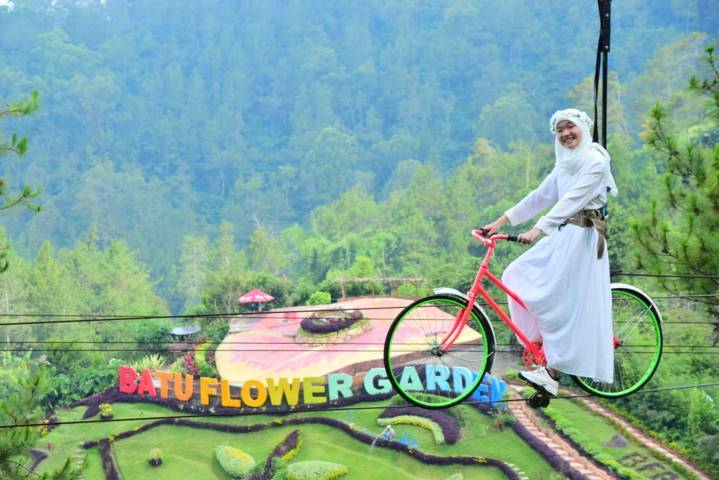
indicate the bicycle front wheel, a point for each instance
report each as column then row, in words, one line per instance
column 419, row 365
column 637, row 344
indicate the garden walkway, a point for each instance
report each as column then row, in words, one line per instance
column 526, row 416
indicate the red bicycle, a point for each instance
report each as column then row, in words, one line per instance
column 439, row 348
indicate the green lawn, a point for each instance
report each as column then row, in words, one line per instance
column 189, row 450
column 598, row 431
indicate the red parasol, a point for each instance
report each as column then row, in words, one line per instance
column 255, row 296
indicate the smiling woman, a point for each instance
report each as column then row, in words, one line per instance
column 570, row 263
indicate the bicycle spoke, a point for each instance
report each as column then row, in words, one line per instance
column 636, row 356
column 414, row 353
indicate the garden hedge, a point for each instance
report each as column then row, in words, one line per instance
column 315, row 470
column 420, row 422
column 235, row 462
column 448, row 423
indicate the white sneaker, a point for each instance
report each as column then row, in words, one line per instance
column 540, row 378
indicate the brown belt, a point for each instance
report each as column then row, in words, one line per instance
column 591, row 218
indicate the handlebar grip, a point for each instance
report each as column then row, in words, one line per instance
column 512, row 238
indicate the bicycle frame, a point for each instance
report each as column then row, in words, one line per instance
column 477, row 289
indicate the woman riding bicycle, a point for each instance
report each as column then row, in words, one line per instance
column 564, row 279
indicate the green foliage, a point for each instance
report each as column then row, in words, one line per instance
column 319, row 298
column 364, row 100
column 678, row 234
column 279, row 469
column 154, row 454
column 315, row 470
column 421, row 422
column 234, row 461
column 25, row 384
column 153, row 334
column 204, row 367
column 503, row 419
column 597, row 451
column 106, row 409
column 178, row 366
column 18, row 146
column 152, row 362
column 365, row 164
column 82, row 381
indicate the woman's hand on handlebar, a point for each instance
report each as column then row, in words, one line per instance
column 529, row 236
column 494, row 227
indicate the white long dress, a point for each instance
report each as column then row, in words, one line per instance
column 560, row 279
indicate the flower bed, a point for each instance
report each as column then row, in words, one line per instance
column 331, row 422
column 330, row 321
column 289, row 447
column 109, row 466
column 113, row 395
column 445, row 422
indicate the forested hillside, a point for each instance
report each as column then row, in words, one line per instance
column 159, row 120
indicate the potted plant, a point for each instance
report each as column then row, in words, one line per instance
column 105, row 411
column 154, row 457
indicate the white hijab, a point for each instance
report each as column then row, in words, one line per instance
column 570, row 160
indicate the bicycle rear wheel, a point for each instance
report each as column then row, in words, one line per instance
column 417, row 366
column 637, row 344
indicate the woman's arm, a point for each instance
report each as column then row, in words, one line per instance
column 535, row 201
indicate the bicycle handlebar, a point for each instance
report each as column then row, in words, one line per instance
column 480, row 233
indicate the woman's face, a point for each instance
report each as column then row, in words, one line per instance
column 568, row 134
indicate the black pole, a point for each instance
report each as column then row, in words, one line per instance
column 602, row 65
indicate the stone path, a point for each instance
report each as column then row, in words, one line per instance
column 526, row 416
column 643, row 438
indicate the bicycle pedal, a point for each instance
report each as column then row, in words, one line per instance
column 539, row 399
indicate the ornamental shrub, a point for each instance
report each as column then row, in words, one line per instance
column 188, row 362
column 235, row 462
column 152, row 362
column 178, row 366
column 204, row 367
column 106, row 410
column 446, row 421
column 425, row 423
column 315, row 470
column 319, row 298
column 154, row 457
column 279, row 469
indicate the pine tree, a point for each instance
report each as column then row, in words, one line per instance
column 678, row 236
column 18, row 146
column 23, row 383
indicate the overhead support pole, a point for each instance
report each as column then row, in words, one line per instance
column 602, row 67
